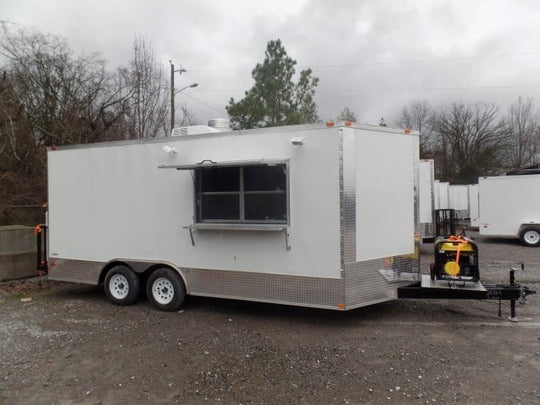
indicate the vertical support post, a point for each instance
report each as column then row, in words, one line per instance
column 41, row 249
column 513, row 317
column 38, row 232
column 172, row 95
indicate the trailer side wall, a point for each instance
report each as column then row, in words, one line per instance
column 507, row 202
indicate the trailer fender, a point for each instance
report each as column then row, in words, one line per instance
column 155, row 266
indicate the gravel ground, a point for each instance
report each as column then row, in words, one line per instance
column 63, row 343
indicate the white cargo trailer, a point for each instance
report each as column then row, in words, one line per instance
column 458, row 199
column 509, row 206
column 441, row 195
column 307, row 215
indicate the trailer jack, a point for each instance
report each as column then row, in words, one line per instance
column 439, row 289
column 516, row 293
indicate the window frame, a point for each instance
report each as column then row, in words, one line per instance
column 241, row 193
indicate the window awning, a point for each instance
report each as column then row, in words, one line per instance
column 210, row 163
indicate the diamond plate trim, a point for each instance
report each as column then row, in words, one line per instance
column 275, row 288
column 77, row 271
column 348, row 196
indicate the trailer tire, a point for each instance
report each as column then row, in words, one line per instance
column 165, row 290
column 530, row 236
column 122, row 286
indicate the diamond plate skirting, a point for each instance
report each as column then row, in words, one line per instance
column 77, row 271
column 276, row 288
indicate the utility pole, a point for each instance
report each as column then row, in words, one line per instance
column 174, row 92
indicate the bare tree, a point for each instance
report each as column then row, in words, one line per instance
column 149, row 89
column 66, row 99
column 419, row 116
column 472, row 137
column 524, row 130
column 187, row 116
column 22, row 188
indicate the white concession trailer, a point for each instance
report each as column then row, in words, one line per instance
column 509, row 206
column 311, row 215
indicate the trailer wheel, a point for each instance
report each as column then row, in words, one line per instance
column 530, row 236
column 165, row 290
column 122, row 286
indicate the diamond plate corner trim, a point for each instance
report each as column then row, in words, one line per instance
column 348, row 196
column 77, row 271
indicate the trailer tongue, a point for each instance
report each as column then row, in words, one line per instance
column 455, row 275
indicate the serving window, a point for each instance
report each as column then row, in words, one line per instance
column 255, row 193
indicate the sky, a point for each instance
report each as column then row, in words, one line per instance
column 372, row 56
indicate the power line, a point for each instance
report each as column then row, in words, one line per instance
column 398, row 62
column 449, row 59
column 431, row 88
column 342, row 90
column 203, row 103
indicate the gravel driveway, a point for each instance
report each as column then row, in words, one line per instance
column 63, row 343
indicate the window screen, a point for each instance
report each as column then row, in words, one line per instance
column 244, row 194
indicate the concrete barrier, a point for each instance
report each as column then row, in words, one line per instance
column 17, row 252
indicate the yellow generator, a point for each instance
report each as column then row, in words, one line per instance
column 456, row 259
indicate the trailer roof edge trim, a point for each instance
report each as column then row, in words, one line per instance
column 243, row 132
column 210, row 163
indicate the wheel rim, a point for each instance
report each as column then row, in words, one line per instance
column 119, row 286
column 162, row 291
column 532, row 237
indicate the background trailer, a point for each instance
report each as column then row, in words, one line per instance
column 307, row 215
column 509, row 206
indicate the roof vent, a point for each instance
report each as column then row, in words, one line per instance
column 221, row 123
column 193, row 130
column 216, row 125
